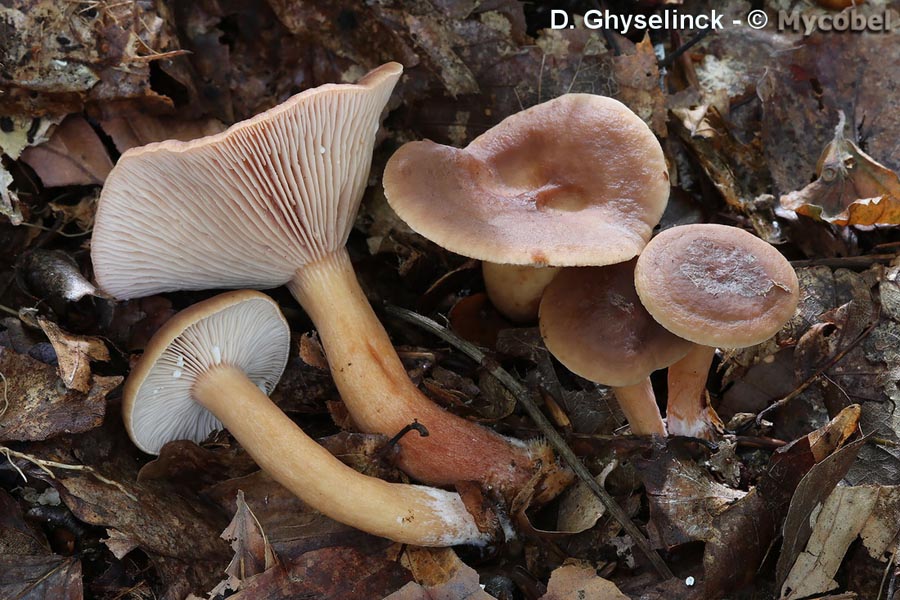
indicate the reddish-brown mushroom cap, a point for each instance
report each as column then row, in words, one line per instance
column 593, row 321
column 246, row 207
column 579, row 180
column 716, row 285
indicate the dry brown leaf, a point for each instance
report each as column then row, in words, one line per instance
column 40, row 407
column 580, row 580
column 73, row 156
column 311, row 351
column 852, row 188
column 684, row 498
column 741, row 535
column 579, row 507
column 9, row 199
column 637, row 74
column 140, row 129
column 870, row 512
column 813, row 489
column 75, row 353
column 252, row 552
column 40, row 578
column 438, row 575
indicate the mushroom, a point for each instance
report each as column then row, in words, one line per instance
column 716, row 286
column 269, row 202
column 576, row 181
column 592, row 320
column 214, row 364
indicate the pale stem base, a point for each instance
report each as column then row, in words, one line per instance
column 638, row 402
column 688, row 412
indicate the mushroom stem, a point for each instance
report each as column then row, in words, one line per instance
column 688, row 412
column 409, row 514
column 382, row 399
column 638, row 402
column 516, row 290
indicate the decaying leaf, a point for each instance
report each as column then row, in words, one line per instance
column 812, row 491
column 9, row 199
column 74, row 155
column 579, row 507
column 869, row 512
column 684, row 499
column 638, row 77
column 741, row 535
column 40, row 577
column 580, row 581
column 41, row 407
column 74, row 353
column 252, row 552
column 852, row 187
column 140, row 129
column 438, row 574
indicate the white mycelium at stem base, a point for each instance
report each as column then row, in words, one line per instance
column 272, row 201
column 213, row 363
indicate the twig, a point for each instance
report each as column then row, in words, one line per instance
column 44, row 465
column 5, row 395
column 546, row 428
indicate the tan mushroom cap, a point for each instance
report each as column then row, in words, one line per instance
column 593, row 321
column 579, row 180
column 716, row 285
column 246, row 207
column 243, row 329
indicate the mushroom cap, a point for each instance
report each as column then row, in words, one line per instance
column 592, row 320
column 579, row 180
column 716, row 285
column 243, row 329
column 245, row 207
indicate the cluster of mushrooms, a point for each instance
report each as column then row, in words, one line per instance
column 272, row 200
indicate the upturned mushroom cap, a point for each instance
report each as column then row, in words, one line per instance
column 579, row 180
column 246, row 207
column 716, row 285
column 243, row 329
column 592, row 320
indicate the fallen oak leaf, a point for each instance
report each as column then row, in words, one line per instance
column 852, row 187
column 75, row 353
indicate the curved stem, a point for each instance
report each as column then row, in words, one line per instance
column 409, row 514
column 382, row 399
column 688, row 413
column 638, row 402
column 516, row 290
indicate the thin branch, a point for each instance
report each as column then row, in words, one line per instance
column 546, row 428
column 44, row 465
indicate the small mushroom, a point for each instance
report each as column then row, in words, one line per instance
column 716, row 286
column 214, row 364
column 593, row 322
column 576, row 181
column 271, row 202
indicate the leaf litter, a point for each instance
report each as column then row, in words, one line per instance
column 790, row 136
